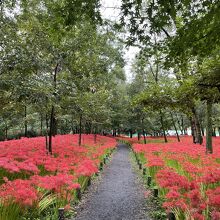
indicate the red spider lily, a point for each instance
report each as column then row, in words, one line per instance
column 188, row 177
column 21, row 191
column 214, row 197
column 167, row 178
column 86, row 168
column 154, row 161
column 28, row 160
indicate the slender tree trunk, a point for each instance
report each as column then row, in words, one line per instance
column 198, row 136
column 193, row 129
column 80, row 130
column 144, row 137
column 209, row 149
column 131, row 133
column 25, row 121
column 202, row 130
column 139, row 136
column 46, row 134
column 174, row 125
column 51, row 130
column 53, row 123
column 163, row 128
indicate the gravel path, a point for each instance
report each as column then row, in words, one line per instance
column 119, row 195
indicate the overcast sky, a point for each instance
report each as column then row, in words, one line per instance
column 111, row 10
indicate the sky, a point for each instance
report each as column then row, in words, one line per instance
column 110, row 9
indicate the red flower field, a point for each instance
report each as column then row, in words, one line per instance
column 188, row 179
column 28, row 175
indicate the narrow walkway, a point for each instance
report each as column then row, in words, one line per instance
column 119, row 195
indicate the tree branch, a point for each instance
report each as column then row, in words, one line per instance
column 167, row 34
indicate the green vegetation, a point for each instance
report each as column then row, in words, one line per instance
column 61, row 69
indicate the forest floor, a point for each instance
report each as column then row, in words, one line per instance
column 118, row 195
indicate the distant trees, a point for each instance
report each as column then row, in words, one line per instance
column 58, row 66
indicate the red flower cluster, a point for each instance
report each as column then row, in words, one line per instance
column 26, row 167
column 187, row 177
column 21, row 191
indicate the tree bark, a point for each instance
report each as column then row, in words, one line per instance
column 193, row 129
column 131, row 133
column 25, row 121
column 139, row 136
column 209, row 149
column 144, row 136
column 53, row 124
column 198, row 135
column 163, row 128
column 202, row 130
column 51, row 130
column 46, row 134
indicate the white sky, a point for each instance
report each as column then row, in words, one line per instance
column 110, row 9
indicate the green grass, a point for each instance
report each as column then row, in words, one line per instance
column 152, row 141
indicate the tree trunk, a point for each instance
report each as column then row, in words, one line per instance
column 209, row 149
column 174, row 125
column 80, row 129
column 131, row 133
column 144, row 137
column 202, row 130
column 51, row 130
column 193, row 129
column 46, row 134
column 163, row 128
column 139, row 136
column 198, row 136
column 25, row 121
column 53, row 123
